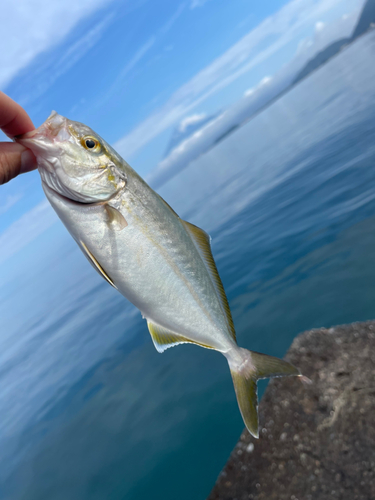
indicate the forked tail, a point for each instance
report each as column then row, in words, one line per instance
column 246, row 368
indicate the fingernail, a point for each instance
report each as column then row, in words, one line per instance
column 28, row 162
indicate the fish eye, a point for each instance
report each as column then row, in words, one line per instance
column 91, row 144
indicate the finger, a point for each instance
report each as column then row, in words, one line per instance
column 13, row 118
column 14, row 160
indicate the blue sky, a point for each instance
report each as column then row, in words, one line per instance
column 133, row 70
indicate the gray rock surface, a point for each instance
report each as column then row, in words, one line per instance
column 316, row 441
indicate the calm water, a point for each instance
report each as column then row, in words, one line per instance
column 89, row 409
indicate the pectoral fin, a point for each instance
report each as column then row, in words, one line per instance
column 115, row 219
column 164, row 338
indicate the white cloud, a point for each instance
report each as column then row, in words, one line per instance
column 168, row 25
column 281, row 28
column 304, row 45
column 140, row 53
column 30, row 27
column 11, row 200
column 26, row 229
column 253, row 100
column 325, row 35
column 190, row 120
column 49, row 72
column 197, row 3
column 249, row 92
column 264, row 81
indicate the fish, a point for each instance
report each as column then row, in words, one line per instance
column 141, row 247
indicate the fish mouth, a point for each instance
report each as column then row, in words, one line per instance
column 44, row 141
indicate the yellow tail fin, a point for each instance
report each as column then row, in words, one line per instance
column 246, row 368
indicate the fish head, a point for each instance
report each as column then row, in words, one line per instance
column 74, row 161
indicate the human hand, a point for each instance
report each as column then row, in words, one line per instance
column 14, row 158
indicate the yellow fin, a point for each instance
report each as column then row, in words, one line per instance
column 95, row 264
column 203, row 243
column 247, row 398
column 115, row 218
column 164, row 338
column 246, row 368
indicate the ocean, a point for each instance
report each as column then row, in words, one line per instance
column 89, row 409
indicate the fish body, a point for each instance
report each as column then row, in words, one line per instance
column 164, row 277
column 135, row 240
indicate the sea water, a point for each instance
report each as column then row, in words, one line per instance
column 89, row 409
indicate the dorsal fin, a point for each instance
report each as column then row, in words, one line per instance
column 164, row 338
column 95, row 264
column 203, row 243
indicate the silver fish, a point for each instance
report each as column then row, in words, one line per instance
column 136, row 241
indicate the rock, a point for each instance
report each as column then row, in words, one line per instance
column 316, row 441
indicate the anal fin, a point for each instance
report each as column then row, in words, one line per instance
column 95, row 264
column 164, row 338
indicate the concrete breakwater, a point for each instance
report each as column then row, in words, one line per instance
column 316, row 441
